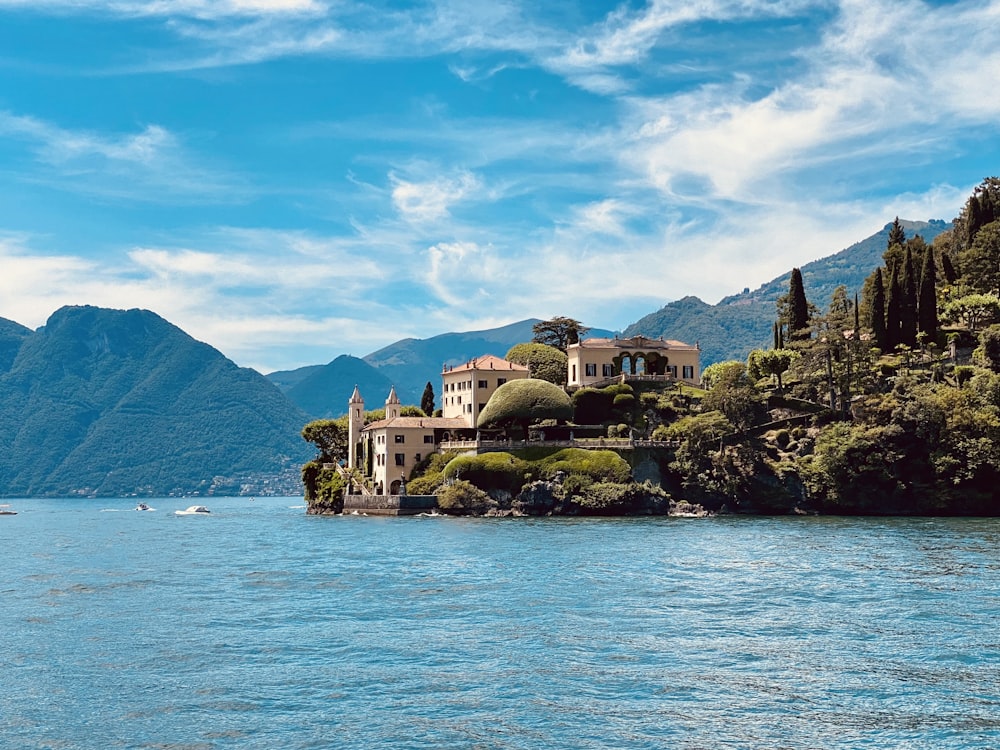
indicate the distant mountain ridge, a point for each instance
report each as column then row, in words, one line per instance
column 743, row 322
column 116, row 402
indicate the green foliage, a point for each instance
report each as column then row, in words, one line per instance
column 730, row 372
column 927, row 319
column 701, row 431
column 502, row 471
column 987, row 354
column 545, row 362
column 597, row 465
column 770, row 362
column 428, row 475
column 559, row 332
column 427, row 400
column 973, row 309
column 624, row 401
column 797, row 311
column 614, row 498
column 525, row 401
column 323, row 487
column 330, row 436
column 591, row 406
column 462, row 497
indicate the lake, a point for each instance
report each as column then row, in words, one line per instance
column 260, row 627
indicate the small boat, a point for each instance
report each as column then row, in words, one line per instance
column 194, row 510
column 143, row 506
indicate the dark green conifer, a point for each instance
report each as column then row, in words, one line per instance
column 427, row 400
column 896, row 234
column 877, row 312
column 908, row 302
column 927, row 320
column 893, row 302
column 950, row 274
column 798, row 307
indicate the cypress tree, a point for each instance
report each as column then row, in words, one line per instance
column 896, row 234
column 857, row 317
column 427, row 400
column 950, row 275
column 877, row 322
column 893, row 302
column 927, row 321
column 798, row 307
column 777, row 336
column 908, row 302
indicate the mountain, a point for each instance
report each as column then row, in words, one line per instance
column 113, row 402
column 743, row 322
column 325, row 390
column 12, row 335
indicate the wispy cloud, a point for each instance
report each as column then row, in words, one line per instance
column 149, row 165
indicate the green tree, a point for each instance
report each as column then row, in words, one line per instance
column 545, row 362
column 893, row 310
column 558, row 332
column 427, row 399
column 525, row 401
column 908, row 302
column 896, row 234
column 876, row 320
column 733, row 394
column 981, row 261
column 987, row 353
column 974, row 309
column 330, row 436
column 797, row 308
column 770, row 362
column 981, row 208
column 927, row 320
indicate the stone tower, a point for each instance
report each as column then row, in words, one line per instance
column 355, row 421
column 392, row 405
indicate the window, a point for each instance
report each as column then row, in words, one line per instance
column 591, row 370
column 459, row 399
column 672, row 369
column 469, row 409
column 429, row 439
column 482, row 384
column 688, row 372
column 400, row 459
column 501, row 381
column 574, row 374
column 400, row 438
column 607, row 370
column 416, row 458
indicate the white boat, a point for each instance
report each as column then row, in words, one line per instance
column 143, row 506
column 194, row 510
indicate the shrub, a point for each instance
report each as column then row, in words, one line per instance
column 591, row 406
column 613, row 498
column 546, row 362
column 599, row 466
column 782, row 438
column 649, row 400
column 624, row 401
column 463, row 497
column 500, row 471
column 428, row 475
column 525, row 401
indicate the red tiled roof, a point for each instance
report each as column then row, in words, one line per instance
column 428, row 423
column 486, row 362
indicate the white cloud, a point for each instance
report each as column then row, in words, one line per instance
column 195, row 8
column 431, row 200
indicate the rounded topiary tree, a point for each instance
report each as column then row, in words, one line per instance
column 525, row 401
column 545, row 362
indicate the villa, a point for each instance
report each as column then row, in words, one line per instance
column 387, row 451
column 594, row 362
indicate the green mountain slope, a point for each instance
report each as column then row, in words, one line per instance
column 12, row 335
column 325, row 391
column 110, row 402
column 740, row 323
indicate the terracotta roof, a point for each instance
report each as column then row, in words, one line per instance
column 636, row 342
column 486, row 362
column 427, row 423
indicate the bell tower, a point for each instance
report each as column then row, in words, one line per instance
column 355, row 421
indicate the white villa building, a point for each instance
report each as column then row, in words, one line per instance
column 465, row 389
column 593, row 361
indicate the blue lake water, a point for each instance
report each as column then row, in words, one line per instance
column 261, row 627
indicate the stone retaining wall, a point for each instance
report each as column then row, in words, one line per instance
column 390, row 505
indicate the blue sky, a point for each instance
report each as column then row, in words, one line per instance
column 290, row 180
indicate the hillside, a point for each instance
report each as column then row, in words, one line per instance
column 12, row 335
column 326, row 389
column 111, row 402
column 742, row 322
